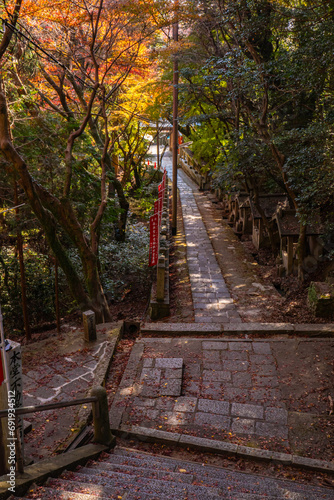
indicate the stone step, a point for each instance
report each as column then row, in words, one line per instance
column 53, row 494
column 226, row 496
column 135, row 475
column 141, row 496
column 169, row 489
column 138, row 462
column 45, row 493
column 226, row 478
column 94, row 490
column 130, row 469
column 206, row 475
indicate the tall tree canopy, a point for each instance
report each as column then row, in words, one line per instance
column 66, row 71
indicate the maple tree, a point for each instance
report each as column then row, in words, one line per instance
column 88, row 52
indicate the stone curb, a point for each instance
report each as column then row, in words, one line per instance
column 221, row 447
column 52, row 467
column 128, row 379
column 309, row 330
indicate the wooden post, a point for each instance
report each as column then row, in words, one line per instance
column 18, row 448
column 158, row 147
column 290, row 254
column 260, row 232
column 57, row 297
column 89, row 325
column 11, row 396
column 22, row 270
column 102, row 432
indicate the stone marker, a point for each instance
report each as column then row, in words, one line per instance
column 161, row 279
column 321, row 299
column 89, row 325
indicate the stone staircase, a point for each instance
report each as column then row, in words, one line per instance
column 132, row 475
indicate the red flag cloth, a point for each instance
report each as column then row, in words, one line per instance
column 162, row 184
column 160, row 204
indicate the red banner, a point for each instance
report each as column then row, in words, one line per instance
column 162, row 184
column 156, row 207
column 154, row 240
column 160, row 204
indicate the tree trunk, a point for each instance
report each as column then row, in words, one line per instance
column 123, row 203
column 301, row 251
column 37, row 196
column 123, row 217
column 137, row 177
column 22, row 268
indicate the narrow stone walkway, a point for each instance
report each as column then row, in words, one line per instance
column 211, row 298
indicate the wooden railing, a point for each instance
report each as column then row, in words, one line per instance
column 192, row 167
column 102, row 433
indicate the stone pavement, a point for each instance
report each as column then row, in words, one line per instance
column 211, row 298
column 228, row 390
column 58, row 369
column 226, row 286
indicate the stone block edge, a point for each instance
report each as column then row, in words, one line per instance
column 310, row 330
column 214, row 446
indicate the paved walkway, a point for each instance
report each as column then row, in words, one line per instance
column 249, row 392
column 58, row 369
column 211, row 298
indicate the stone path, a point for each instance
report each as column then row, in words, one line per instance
column 228, row 390
column 61, row 369
column 211, row 298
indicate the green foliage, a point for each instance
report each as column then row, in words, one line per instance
column 309, row 164
column 246, row 166
column 142, row 201
column 257, row 94
column 124, row 264
column 40, row 283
